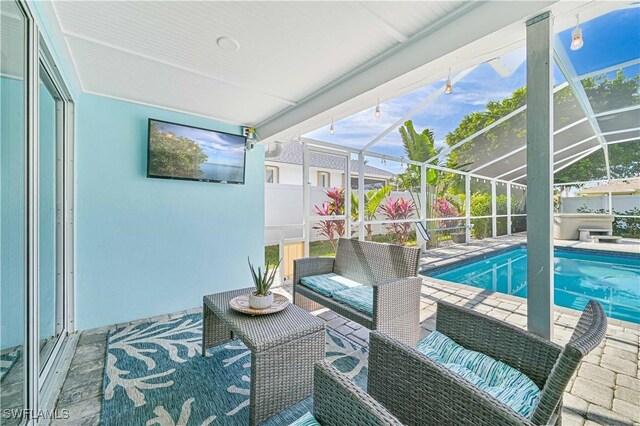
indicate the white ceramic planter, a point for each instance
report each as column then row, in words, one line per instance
column 260, row 302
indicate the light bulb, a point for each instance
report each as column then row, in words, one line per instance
column 377, row 113
column 448, row 87
column 576, row 36
column 299, row 138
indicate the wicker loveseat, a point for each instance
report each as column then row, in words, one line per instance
column 419, row 391
column 387, row 279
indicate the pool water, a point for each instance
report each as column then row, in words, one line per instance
column 612, row 280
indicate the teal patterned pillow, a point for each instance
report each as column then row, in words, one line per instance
column 503, row 382
column 306, row 420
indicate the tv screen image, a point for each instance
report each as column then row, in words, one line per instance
column 190, row 153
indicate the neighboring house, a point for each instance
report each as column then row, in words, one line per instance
column 621, row 187
column 283, row 165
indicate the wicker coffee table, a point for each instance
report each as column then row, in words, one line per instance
column 284, row 347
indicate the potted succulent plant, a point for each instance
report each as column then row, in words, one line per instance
column 262, row 297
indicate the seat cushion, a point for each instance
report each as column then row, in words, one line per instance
column 503, row 382
column 359, row 298
column 328, row 284
column 306, row 420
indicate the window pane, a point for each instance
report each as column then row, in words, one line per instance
column 50, row 220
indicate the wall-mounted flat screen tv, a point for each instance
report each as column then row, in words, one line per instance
column 175, row 151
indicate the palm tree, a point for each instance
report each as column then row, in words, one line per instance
column 372, row 200
column 418, row 147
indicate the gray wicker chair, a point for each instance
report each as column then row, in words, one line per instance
column 390, row 269
column 337, row 401
column 419, row 391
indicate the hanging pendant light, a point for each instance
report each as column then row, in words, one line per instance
column 332, row 129
column 576, row 36
column 299, row 138
column 448, row 87
column 384, row 160
column 377, row 113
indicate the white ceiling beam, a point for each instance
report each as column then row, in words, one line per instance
column 419, row 107
column 476, row 19
column 381, row 23
column 566, row 67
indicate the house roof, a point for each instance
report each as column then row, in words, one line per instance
column 291, row 153
column 629, row 186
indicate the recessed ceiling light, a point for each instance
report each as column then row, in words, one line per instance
column 228, row 43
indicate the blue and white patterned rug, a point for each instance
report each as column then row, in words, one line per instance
column 7, row 360
column 154, row 374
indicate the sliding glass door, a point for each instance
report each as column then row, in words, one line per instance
column 36, row 218
column 50, row 216
column 13, row 154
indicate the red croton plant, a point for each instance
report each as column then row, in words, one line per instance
column 398, row 209
column 330, row 228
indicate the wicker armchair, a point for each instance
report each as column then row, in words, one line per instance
column 337, row 401
column 390, row 269
column 418, row 391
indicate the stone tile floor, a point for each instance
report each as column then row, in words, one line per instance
column 605, row 390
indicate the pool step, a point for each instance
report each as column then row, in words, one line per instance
column 606, row 238
column 587, row 234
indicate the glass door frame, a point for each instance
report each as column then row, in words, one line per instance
column 64, row 205
column 39, row 389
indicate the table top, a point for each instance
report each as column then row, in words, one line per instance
column 264, row 331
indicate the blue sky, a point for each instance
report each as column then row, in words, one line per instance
column 219, row 147
column 608, row 40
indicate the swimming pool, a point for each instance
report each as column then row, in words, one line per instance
column 613, row 280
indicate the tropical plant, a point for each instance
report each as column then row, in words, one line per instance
column 330, row 228
column 398, row 209
column 263, row 281
column 418, row 147
column 481, row 206
column 372, row 200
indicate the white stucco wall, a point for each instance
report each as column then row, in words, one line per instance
column 621, row 203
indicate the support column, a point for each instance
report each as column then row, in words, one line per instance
column 508, row 209
column 306, row 197
column 423, row 203
column 494, row 210
column 467, row 206
column 361, row 196
column 347, row 196
column 540, row 175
